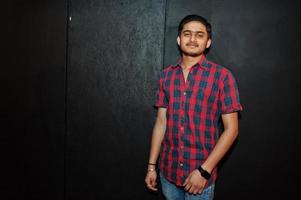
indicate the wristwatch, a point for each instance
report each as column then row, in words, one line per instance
column 204, row 173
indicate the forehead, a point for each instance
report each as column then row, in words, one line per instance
column 194, row 26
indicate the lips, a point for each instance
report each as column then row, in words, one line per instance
column 192, row 45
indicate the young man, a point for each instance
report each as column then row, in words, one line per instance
column 191, row 98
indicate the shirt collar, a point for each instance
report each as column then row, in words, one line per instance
column 202, row 63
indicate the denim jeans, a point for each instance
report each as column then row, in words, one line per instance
column 173, row 192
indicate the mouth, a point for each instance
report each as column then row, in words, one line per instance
column 192, row 45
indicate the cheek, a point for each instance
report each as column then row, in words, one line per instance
column 183, row 41
column 203, row 44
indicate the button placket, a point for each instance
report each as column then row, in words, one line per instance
column 182, row 125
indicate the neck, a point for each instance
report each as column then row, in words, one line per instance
column 189, row 61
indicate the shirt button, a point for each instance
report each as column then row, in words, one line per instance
column 181, row 164
column 184, row 93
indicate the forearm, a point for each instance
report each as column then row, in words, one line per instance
column 222, row 146
column 224, row 143
column 157, row 136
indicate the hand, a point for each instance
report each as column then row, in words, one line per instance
column 150, row 180
column 195, row 183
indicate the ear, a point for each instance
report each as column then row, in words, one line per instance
column 208, row 43
column 178, row 40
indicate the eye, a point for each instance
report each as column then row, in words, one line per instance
column 200, row 35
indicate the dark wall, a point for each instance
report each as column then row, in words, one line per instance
column 34, row 114
column 79, row 123
column 116, row 52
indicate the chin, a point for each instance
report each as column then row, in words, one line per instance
column 195, row 53
column 192, row 54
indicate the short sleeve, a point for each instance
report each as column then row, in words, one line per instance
column 161, row 99
column 229, row 96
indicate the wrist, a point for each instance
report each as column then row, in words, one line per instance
column 152, row 164
column 207, row 167
column 151, row 170
column 204, row 173
column 151, row 167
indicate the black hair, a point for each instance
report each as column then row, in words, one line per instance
column 198, row 18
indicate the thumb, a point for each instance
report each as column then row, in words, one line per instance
column 186, row 181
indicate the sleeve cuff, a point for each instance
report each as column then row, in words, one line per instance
column 158, row 105
column 232, row 109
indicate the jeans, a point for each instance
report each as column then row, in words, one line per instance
column 173, row 192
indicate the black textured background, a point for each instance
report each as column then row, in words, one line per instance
column 115, row 57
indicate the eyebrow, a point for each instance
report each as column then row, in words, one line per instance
column 193, row 31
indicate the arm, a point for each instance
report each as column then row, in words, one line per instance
column 157, row 137
column 224, row 143
column 195, row 182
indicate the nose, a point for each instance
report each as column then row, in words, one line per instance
column 192, row 37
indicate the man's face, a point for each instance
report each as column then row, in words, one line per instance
column 193, row 39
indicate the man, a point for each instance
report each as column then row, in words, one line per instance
column 192, row 96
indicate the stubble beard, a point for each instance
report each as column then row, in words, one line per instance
column 191, row 54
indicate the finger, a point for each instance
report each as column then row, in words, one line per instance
column 191, row 190
column 196, row 191
column 200, row 191
column 187, row 187
column 186, row 180
column 151, row 187
column 153, row 183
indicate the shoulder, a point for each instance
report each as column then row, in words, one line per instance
column 221, row 71
column 164, row 72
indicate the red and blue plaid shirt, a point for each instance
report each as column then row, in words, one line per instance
column 193, row 110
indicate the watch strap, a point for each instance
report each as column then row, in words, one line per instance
column 204, row 173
